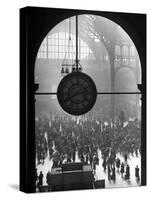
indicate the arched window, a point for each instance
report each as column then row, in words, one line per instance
column 117, row 50
column 61, row 45
column 132, row 51
column 102, row 43
column 125, row 51
column 125, row 55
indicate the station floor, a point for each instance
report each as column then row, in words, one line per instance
column 120, row 181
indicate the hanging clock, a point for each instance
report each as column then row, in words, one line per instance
column 76, row 93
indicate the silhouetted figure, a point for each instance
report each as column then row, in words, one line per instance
column 82, row 158
column 50, row 152
column 94, row 167
column 55, row 163
column 113, row 176
column 40, row 179
column 136, row 152
column 62, row 71
column 74, row 156
column 87, row 159
column 69, row 160
column 125, row 157
column 122, row 168
column 60, row 161
column 112, row 158
column 91, row 160
column 137, row 172
column 118, row 163
column 48, row 178
column 104, row 164
column 127, row 175
column 96, row 160
column 109, row 172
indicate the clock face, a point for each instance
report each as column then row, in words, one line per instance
column 76, row 93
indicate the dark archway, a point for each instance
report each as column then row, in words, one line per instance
column 35, row 23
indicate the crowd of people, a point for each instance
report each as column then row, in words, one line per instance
column 62, row 138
